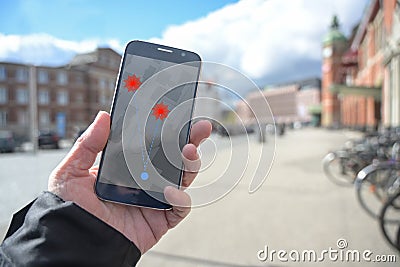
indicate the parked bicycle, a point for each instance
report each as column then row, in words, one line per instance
column 377, row 182
column 372, row 164
column 389, row 221
column 342, row 166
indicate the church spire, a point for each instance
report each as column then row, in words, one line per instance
column 335, row 25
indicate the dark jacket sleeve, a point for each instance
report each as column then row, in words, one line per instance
column 51, row 232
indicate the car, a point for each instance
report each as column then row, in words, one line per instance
column 48, row 139
column 7, row 142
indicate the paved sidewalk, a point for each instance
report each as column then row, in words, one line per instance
column 297, row 208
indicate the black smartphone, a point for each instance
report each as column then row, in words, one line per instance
column 150, row 123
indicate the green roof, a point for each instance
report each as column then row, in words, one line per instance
column 333, row 36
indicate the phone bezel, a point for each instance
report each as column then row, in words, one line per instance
column 128, row 195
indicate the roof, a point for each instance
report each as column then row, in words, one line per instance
column 90, row 57
column 82, row 59
column 304, row 83
column 334, row 35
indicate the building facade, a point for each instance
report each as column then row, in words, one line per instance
column 298, row 101
column 68, row 97
column 391, row 61
column 360, row 75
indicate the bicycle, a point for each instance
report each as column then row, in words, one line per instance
column 376, row 183
column 389, row 221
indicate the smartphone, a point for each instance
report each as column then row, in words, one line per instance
column 150, row 123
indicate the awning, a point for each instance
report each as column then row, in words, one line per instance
column 315, row 109
column 375, row 92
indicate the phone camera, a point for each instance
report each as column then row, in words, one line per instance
column 183, row 54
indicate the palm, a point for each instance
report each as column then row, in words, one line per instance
column 73, row 180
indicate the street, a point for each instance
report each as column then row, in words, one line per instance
column 297, row 208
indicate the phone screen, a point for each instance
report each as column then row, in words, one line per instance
column 136, row 150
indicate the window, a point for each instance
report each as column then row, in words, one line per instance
column 62, row 98
column 3, row 118
column 43, row 76
column 22, row 117
column 3, row 95
column 349, row 79
column 80, row 117
column 3, row 73
column 102, row 83
column 103, row 60
column 111, row 85
column 43, row 97
column 79, row 79
column 44, row 118
column 21, row 74
column 22, row 96
column 79, row 98
column 114, row 63
column 103, row 99
column 62, row 78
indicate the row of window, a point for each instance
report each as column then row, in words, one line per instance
column 23, row 118
column 22, row 97
column 22, row 75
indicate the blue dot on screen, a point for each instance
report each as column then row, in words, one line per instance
column 144, row 176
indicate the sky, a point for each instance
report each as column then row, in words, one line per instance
column 270, row 41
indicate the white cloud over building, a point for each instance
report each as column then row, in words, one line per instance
column 270, row 41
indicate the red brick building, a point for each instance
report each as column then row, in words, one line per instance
column 359, row 73
column 68, row 97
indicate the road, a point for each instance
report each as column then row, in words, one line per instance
column 297, row 208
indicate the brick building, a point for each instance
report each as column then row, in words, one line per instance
column 68, row 97
column 290, row 102
column 360, row 75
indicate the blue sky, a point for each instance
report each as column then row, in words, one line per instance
column 79, row 20
column 270, row 41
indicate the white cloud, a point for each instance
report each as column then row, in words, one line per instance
column 44, row 49
column 269, row 41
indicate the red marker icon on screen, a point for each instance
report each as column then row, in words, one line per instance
column 160, row 111
column 132, row 83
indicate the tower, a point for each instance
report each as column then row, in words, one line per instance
column 334, row 46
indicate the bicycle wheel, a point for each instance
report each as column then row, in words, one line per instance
column 374, row 185
column 389, row 221
column 336, row 168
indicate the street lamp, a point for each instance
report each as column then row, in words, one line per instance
column 33, row 123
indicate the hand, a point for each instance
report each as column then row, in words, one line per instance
column 74, row 178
